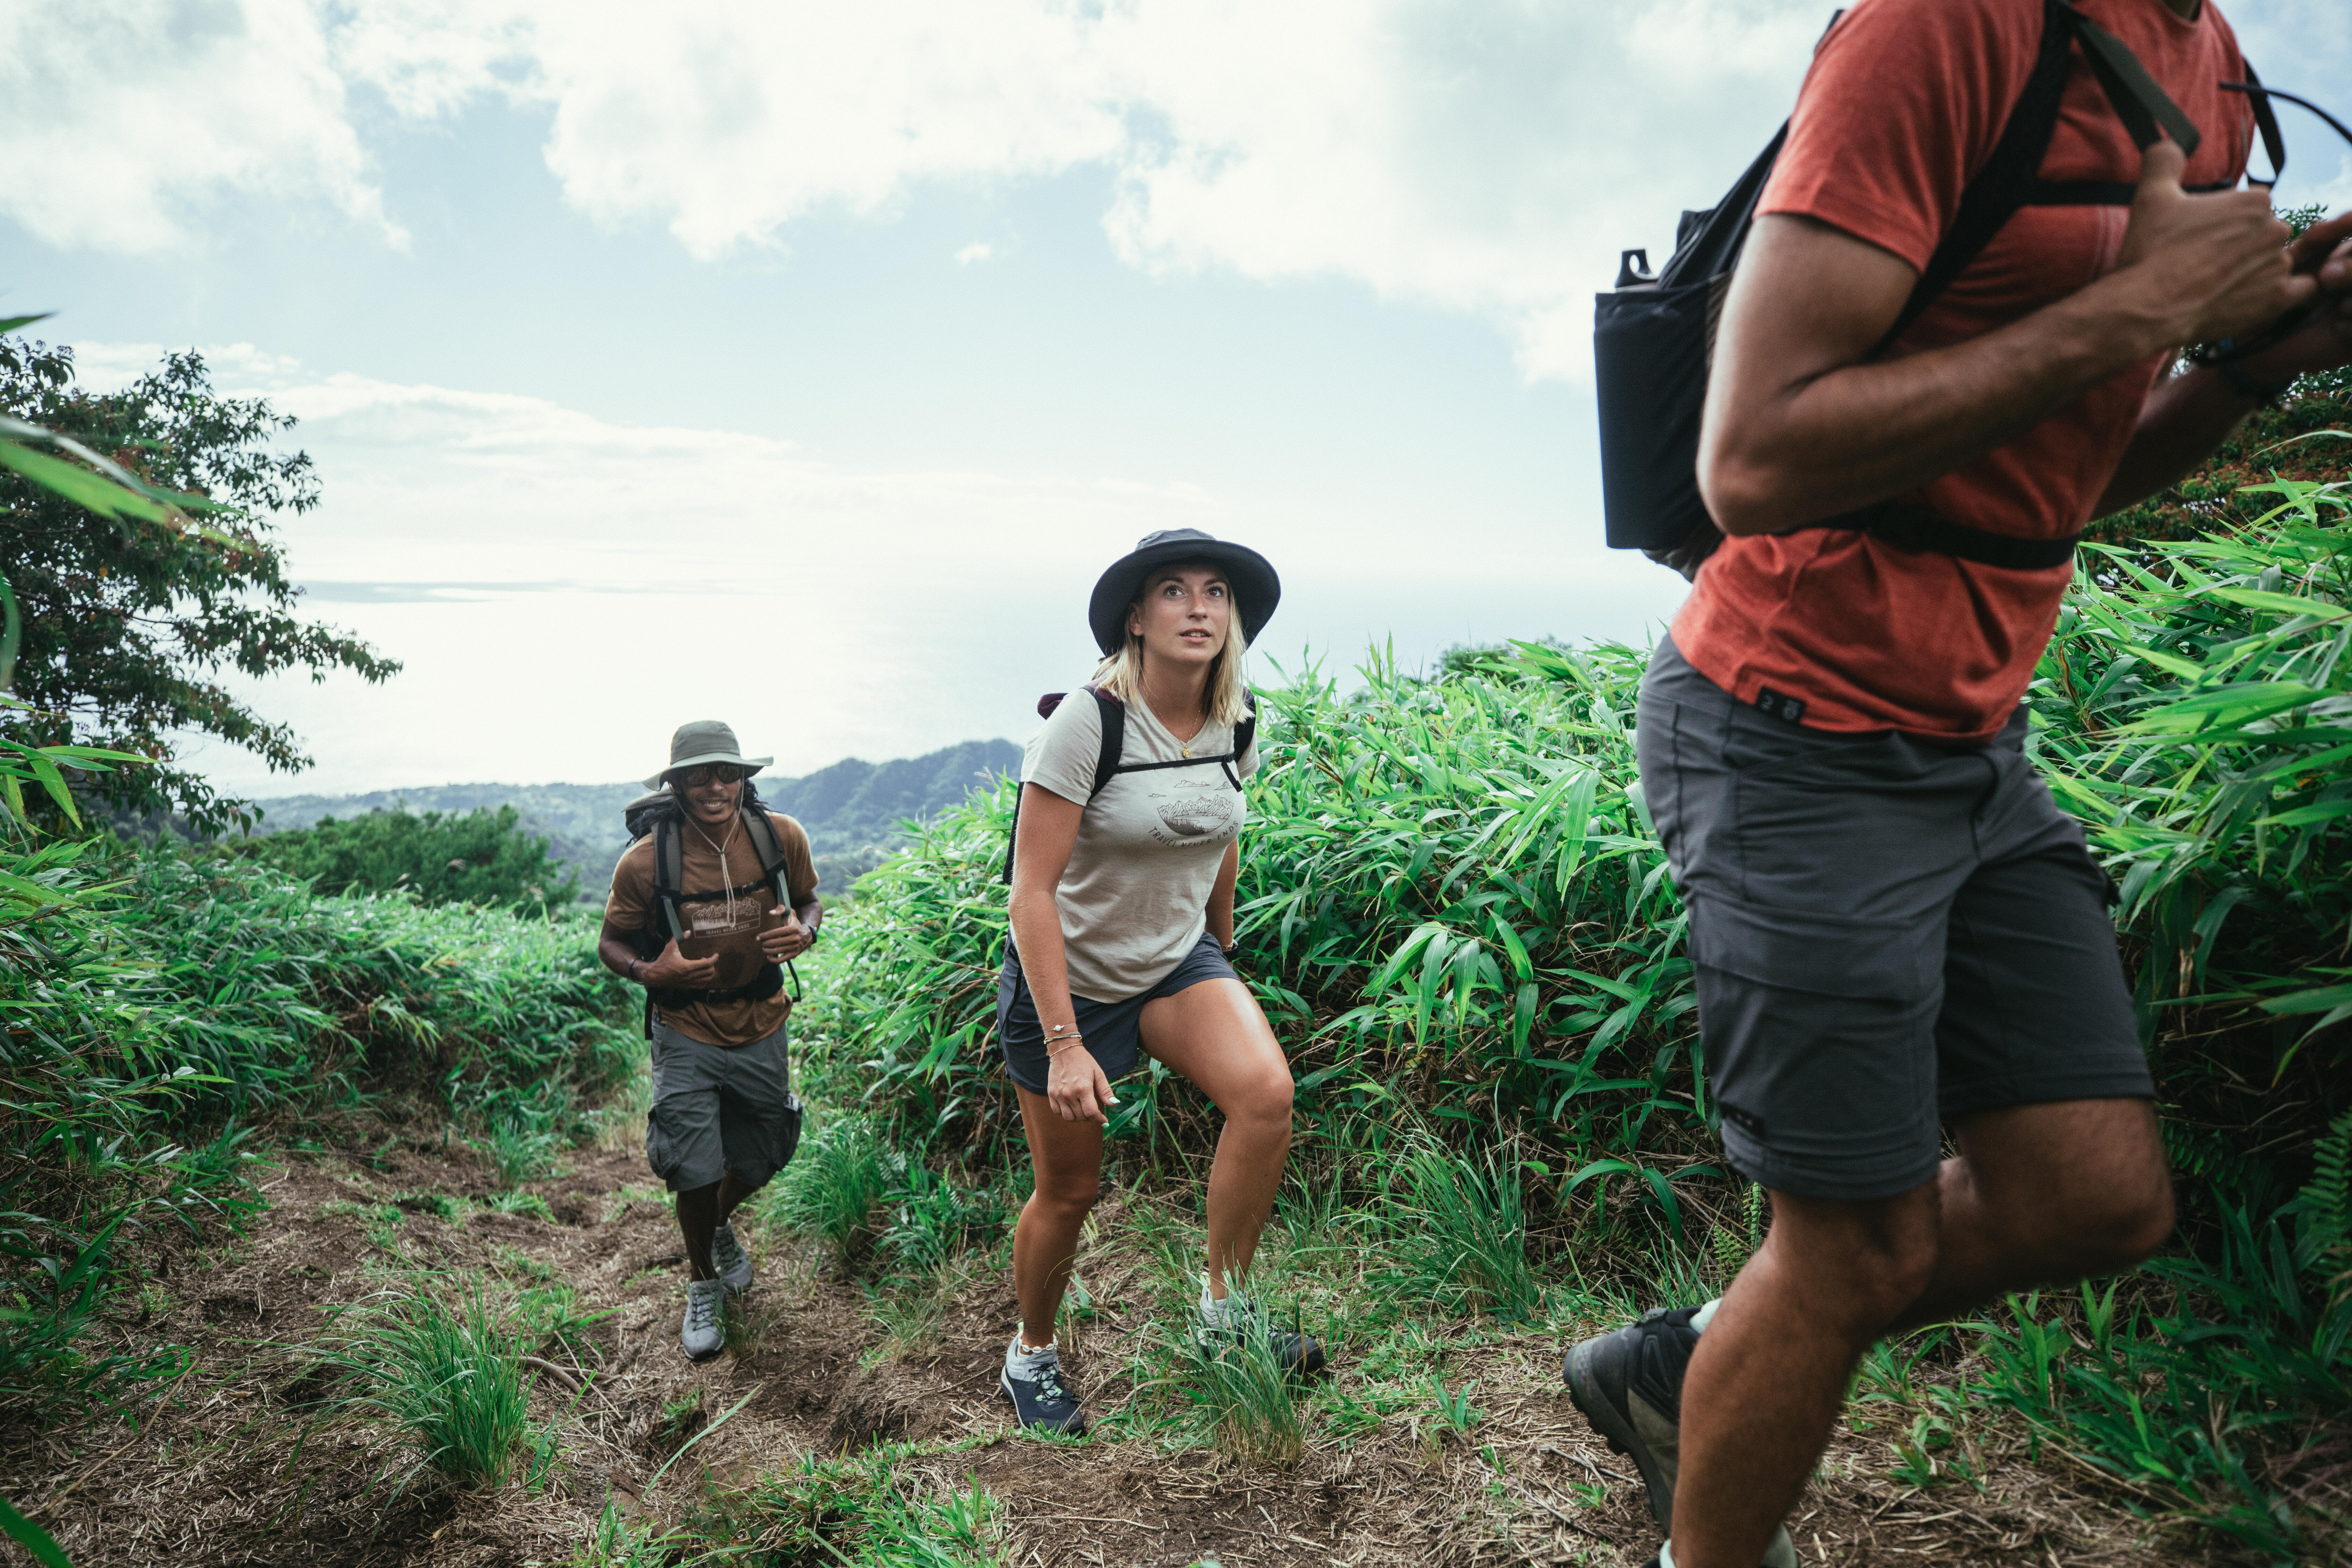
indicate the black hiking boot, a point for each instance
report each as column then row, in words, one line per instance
column 1298, row 1355
column 1042, row 1401
column 1629, row 1385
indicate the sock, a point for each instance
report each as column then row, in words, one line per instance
column 1666, row 1548
column 1214, row 1311
column 1699, row 1321
column 1027, row 1363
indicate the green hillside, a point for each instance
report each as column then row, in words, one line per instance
column 850, row 809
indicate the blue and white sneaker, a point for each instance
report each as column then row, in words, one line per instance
column 1033, row 1380
column 727, row 1255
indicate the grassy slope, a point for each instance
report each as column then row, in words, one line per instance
column 158, row 1011
column 1460, row 922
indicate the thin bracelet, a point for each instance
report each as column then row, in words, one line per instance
column 1075, row 1042
column 632, row 968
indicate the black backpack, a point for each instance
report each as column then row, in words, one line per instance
column 1114, row 742
column 1653, row 338
column 666, row 823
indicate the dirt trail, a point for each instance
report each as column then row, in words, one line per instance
column 232, row 1471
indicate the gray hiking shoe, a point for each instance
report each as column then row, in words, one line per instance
column 1629, row 1385
column 704, row 1334
column 1240, row 1320
column 727, row 1255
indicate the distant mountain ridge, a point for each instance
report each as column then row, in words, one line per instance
column 850, row 809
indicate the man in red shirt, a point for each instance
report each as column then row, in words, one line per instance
column 1895, row 928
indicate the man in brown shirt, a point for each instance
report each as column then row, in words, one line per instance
column 724, row 1121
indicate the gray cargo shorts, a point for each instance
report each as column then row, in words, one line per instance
column 719, row 1109
column 1889, row 933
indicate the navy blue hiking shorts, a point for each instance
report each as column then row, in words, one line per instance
column 1113, row 1030
column 1890, row 934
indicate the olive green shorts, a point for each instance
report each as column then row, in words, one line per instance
column 721, row 1110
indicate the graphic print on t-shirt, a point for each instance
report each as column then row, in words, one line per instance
column 1194, row 805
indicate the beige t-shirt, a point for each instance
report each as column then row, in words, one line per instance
column 1135, row 898
column 712, row 932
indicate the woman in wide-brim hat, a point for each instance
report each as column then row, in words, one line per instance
column 1122, row 935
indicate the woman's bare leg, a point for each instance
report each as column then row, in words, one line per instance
column 1067, row 1159
column 1215, row 1035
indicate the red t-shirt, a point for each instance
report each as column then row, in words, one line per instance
column 1904, row 102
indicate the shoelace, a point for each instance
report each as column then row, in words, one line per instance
column 701, row 1309
column 1049, row 1386
column 724, row 1250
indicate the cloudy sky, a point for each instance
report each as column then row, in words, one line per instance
column 802, row 364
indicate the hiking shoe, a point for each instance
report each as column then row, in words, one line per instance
column 1237, row 1320
column 1040, row 1399
column 727, row 1255
column 704, row 1334
column 1629, row 1385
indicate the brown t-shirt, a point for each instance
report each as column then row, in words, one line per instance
column 733, row 937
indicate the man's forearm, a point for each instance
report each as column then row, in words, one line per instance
column 617, row 956
column 2183, row 420
column 1866, row 432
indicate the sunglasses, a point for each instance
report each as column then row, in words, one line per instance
column 715, row 772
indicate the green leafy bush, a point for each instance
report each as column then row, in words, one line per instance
column 480, row 856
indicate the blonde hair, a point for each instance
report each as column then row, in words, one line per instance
column 1227, row 692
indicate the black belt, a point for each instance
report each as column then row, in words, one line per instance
column 1921, row 531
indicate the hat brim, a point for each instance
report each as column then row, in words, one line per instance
column 1254, row 581
column 753, row 763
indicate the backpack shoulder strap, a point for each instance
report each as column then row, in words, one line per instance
column 1114, row 739
column 1246, row 732
column 669, row 874
column 2008, row 178
column 771, row 850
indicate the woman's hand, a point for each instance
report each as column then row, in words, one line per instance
column 674, row 968
column 787, row 941
column 1075, row 1087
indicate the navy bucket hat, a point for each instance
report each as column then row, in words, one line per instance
column 1254, row 582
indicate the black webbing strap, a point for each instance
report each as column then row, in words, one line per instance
column 2011, row 176
column 1994, row 194
column 669, row 872
column 1113, row 743
column 2266, row 123
column 2138, row 102
column 1919, row 530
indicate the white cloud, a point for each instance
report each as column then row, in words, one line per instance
column 978, row 250
column 1480, row 156
column 115, row 116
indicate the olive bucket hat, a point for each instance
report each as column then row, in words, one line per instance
column 1256, row 587
column 705, row 741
